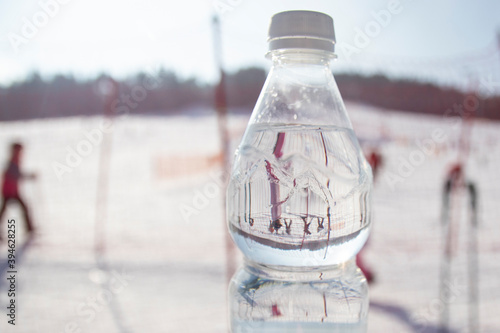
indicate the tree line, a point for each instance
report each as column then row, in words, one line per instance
column 166, row 93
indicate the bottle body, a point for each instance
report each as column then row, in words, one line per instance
column 300, row 188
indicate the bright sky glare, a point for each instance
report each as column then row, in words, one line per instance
column 454, row 41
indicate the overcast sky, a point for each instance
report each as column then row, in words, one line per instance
column 449, row 40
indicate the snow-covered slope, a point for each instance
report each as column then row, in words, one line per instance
column 161, row 223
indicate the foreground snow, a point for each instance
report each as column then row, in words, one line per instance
column 164, row 263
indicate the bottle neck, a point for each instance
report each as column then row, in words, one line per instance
column 300, row 89
column 302, row 67
column 301, row 57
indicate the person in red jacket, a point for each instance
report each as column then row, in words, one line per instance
column 375, row 160
column 10, row 185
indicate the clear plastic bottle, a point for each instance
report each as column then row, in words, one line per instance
column 299, row 193
column 333, row 299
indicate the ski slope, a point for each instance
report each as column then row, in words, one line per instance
column 162, row 268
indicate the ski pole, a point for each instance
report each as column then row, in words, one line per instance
column 446, row 258
column 473, row 264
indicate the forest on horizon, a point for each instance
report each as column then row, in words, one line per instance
column 166, row 93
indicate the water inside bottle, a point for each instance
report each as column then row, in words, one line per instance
column 298, row 195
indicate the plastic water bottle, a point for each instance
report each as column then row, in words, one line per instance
column 300, row 185
column 299, row 195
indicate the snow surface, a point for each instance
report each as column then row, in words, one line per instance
column 172, row 265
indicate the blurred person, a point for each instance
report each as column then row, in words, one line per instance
column 10, row 185
column 374, row 158
column 455, row 177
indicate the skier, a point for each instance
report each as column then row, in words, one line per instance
column 375, row 160
column 456, row 181
column 10, row 190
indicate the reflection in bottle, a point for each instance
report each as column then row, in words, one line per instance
column 274, row 180
column 297, row 191
column 333, row 299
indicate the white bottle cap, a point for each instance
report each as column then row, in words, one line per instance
column 301, row 29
